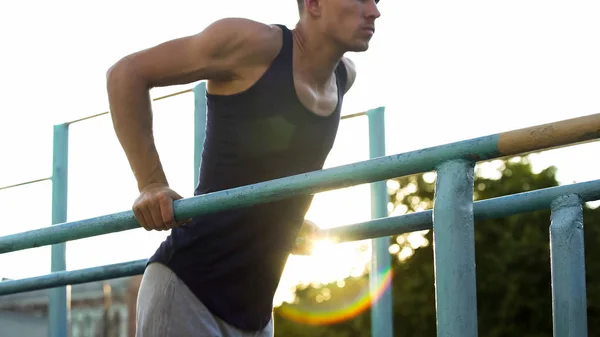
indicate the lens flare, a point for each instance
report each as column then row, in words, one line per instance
column 324, row 315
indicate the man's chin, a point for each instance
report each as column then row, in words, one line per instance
column 359, row 47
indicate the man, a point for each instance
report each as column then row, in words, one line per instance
column 274, row 99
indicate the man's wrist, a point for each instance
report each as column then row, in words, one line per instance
column 145, row 183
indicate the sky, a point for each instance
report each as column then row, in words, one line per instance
column 444, row 70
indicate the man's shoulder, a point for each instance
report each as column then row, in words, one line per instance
column 245, row 26
column 350, row 71
column 257, row 36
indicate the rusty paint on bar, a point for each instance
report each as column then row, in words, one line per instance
column 551, row 135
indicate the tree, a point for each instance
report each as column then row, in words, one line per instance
column 512, row 265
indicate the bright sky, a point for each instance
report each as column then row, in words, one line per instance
column 445, row 70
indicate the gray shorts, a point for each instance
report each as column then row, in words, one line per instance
column 167, row 308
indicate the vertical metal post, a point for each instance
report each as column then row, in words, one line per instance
column 199, row 127
column 381, row 309
column 454, row 250
column 569, row 308
column 57, row 311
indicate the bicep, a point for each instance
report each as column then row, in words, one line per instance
column 214, row 53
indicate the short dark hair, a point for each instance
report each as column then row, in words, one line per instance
column 300, row 5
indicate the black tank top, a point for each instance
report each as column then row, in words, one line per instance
column 233, row 260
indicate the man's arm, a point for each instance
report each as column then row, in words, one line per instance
column 219, row 53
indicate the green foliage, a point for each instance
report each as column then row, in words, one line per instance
column 513, row 267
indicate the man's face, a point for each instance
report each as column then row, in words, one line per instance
column 351, row 23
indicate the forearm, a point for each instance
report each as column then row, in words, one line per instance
column 131, row 113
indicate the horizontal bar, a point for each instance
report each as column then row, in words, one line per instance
column 551, row 135
column 25, row 183
column 387, row 167
column 492, row 208
column 154, row 100
column 318, row 181
column 482, row 210
column 63, row 278
column 358, row 114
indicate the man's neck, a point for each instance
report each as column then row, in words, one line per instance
column 315, row 57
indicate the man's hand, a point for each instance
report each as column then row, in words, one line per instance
column 308, row 233
column 153, row 208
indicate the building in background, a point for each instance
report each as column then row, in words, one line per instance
column 97, row 309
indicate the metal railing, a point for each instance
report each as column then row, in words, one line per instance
column 452, row 219
column 58, row 307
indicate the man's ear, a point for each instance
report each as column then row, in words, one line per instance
column 313, row 7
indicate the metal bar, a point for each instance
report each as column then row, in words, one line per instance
column 88, row 117
column 358, row 114
column 57, row 311
column 551, row 135
column 424, row 160
column 567, row 257
column 107, row 112
column 381, row 306
column 172, row 94
column 308, row 183
column 62, row 278
column 493, row 208
column 200, row 115
column 484, row 209
column 24, row 183
column 454, row 250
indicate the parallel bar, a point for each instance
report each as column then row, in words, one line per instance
column 357, row 114
column 57, row 315
column 24, row 183
column 485, row 209
column 454, row 250
column 551, row 135
column 72, row 277
column 482, row 148
column 381, row 307
column 200, row 115
column 493, row 208
column 567, row 257
column 309, row 183
column 172, row 95
column 107, row 112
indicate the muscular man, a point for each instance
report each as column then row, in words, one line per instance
column 274, row 99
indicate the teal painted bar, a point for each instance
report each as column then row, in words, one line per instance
column 567, row 256
column 454, row 250
column 381, row 308
column 493, row 208
column 57, row 311
column 199, row 127
column 309, row 183
column 71, row 277
column 484, row 209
